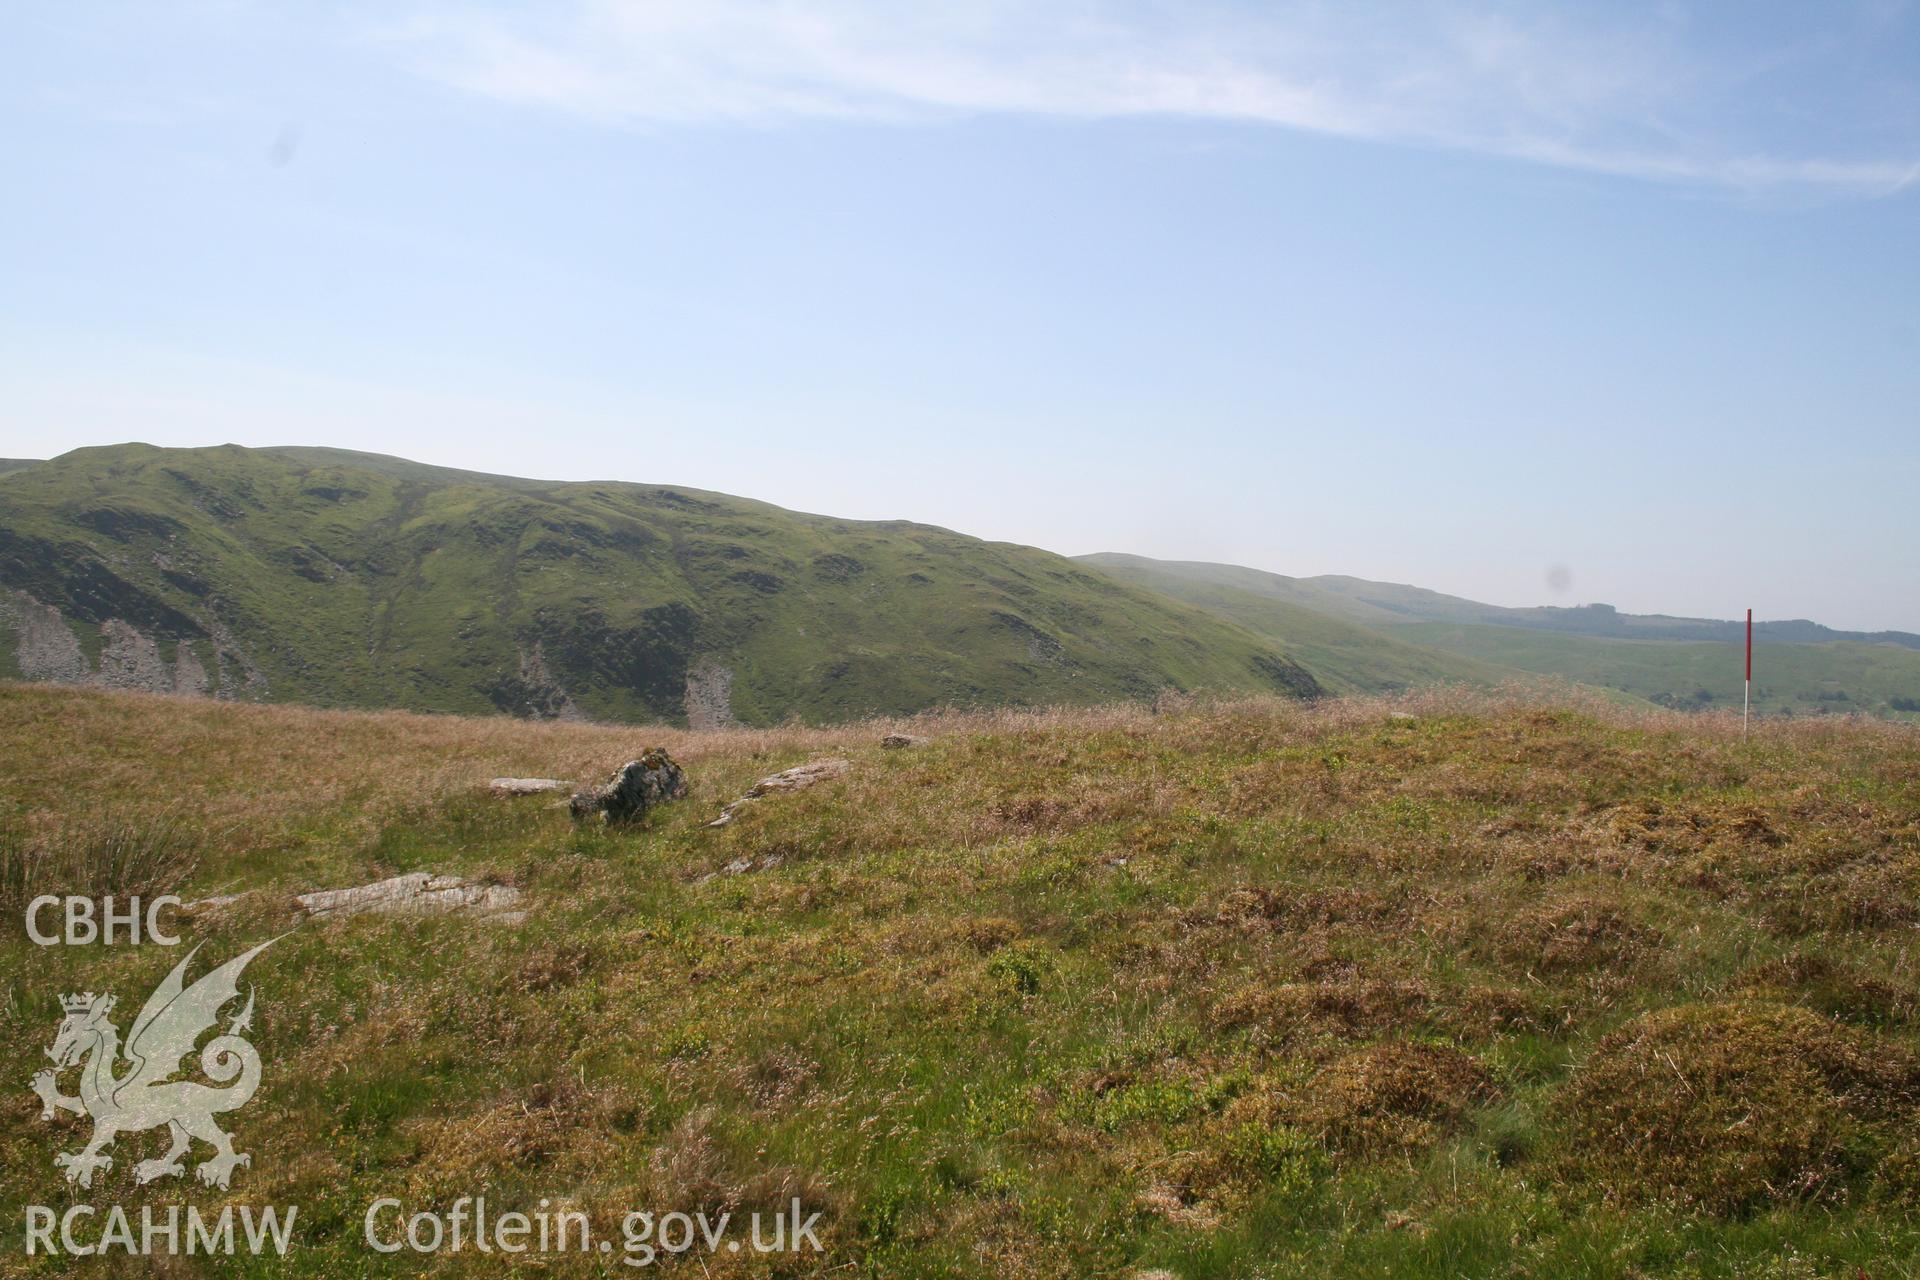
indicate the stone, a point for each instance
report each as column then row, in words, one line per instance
column 795, row 779
column 798, row 777
column 899, row 741
column 635, row 788
column 525, row 786
column 741, row 866
column 417, row 893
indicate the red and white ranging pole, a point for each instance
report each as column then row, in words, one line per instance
column 1746, row 700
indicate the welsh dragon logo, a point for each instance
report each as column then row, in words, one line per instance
column 144, row 1095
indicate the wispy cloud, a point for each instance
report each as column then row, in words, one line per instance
column 1645, row 95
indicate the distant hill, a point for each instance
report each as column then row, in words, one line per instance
column 348, row 579
column 1415, row 605
column 1377, row 604
column 17, row 464
column 1797, row 679
column 1344, row 655
column 1681, row 662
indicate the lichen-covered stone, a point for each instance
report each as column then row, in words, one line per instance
column 418, row 893
column 524, row 786
column 639, row 786
column 797, row 778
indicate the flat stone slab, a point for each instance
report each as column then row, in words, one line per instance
column 798, row 777
column 795, row 779
column 417, row 893
column 526, row 786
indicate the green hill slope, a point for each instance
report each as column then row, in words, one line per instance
column 1802, row 667
column 1393, row 604
column 1334, row 597
column 355, row 580
column 1796, row 679
column 1389, row 603
column 1344, row 655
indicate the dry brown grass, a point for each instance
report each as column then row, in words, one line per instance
column 98, row 857
column 1728, row 1107
column 253, row 770
column 1579, row 933
column 1057, row 993
column 249, row 769
column 1394, row 1096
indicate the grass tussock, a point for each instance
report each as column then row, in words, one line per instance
column 1731, row 1107
column 1578, row 934
column 97, row 858
column 1396, row 1096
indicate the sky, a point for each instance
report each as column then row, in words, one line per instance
column 1531, row 303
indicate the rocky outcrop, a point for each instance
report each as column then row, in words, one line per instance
column 795, row 779
column 638, row 787
column 129, row 660
column 1289, row 676
column 535, row 692
column 237, row 674
column 1041, row 647
column 901, row 741
column 46, row 648
column 189, row 676
column 709, row 699
column 44, row 645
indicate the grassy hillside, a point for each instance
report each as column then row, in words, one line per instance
column 1436, row 988
column 1345, row 656
column 1390, row 604
column 352, row 580
column 1801, row 667
column 1393, row 604
column 1321, row 595
column 1794, row 679
column 16, row 464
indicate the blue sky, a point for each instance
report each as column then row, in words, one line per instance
column 1445, row 293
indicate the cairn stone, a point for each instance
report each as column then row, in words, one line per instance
column 638, row 786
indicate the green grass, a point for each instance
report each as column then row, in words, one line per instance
column 1248, row 990
column 1789, row 679
column 348, row 579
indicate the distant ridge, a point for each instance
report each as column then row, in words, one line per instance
column 1388, row 604
column 1689, row 663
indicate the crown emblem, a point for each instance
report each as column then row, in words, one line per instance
column 86, row 1002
